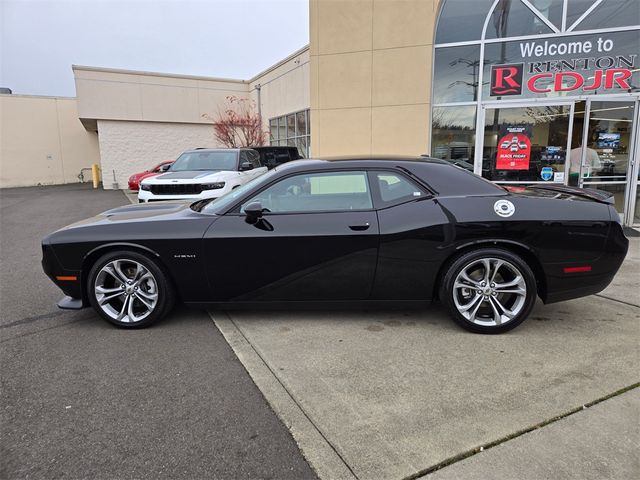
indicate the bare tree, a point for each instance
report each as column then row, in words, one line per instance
column 237, row 125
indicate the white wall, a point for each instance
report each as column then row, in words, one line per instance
column 131, row 147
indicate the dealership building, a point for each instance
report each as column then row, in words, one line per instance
column 520, row 91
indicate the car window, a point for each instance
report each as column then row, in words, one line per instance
column 203, row 160
column 315, row 192
column 254, row 158
column 244, row 157
column 395, row 188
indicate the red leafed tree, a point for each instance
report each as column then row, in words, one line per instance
column 238, row 125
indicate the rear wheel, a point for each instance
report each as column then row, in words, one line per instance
column 129, row 289
column 489, row 290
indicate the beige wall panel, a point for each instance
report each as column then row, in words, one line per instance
column 284, row 89
column 108, row 99
column 400, row 130
column 79, row 148
column 161, row 102
column 313, row 27
column 314, row 81
column 130, row 147
column 42, row 142
column 344, row 26
column 349, row 130
column 155, row 97
column 314, row 149
column 401, row 23
column 401, row 76
column 210, row 101
column 345, row 80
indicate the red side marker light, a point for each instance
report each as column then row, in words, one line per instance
column 577, row 269
column 66, row 278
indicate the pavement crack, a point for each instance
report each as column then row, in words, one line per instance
column 619, row 301
column 495, row 443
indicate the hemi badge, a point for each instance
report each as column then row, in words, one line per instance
column 66, row 278
column 576, row 269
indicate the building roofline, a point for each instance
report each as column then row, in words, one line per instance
column 289, row 57
column 154, row 74
column 26, row 95
column 191, row 77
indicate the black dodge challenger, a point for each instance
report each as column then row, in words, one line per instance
column 350, row 231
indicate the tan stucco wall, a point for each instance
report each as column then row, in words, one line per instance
column 370, row 65
column 42, row 142
column 128, row 147
column 284, row 88
column 105, row 94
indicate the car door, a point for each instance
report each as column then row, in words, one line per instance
column 414, row 228
column 317, row 240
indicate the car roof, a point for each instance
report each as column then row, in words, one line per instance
column 359, row 162
column 442, row 176
column 201, row 150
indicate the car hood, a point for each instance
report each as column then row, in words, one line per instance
column 136, row 213
column 191, row 177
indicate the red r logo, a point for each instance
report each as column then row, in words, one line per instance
column 506, row 80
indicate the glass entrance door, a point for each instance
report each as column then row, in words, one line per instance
column 603, row 153
column 526, row 143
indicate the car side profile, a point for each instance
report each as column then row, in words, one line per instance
column 345, row 232
column 203, row 173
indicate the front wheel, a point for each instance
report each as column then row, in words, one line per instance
column 129, row 289
column 489, row 290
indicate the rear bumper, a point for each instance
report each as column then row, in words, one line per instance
column 562, row 285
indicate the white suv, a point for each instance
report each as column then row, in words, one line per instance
column 203, row 173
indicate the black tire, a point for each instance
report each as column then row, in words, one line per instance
column 492, row 301
column 153, row 288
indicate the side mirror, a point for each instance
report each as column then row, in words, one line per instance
column 164, row 168
column 253, row 211
column 246, row 166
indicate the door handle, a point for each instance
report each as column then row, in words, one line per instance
column 360, row 228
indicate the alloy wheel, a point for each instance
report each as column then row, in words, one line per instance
column 489, row 291
column 126, row 291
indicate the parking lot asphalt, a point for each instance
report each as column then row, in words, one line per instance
column 81, row 399
column 398, row 394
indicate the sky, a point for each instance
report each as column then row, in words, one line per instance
column 41, row 39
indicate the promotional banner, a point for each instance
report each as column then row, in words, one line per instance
column 514, row 148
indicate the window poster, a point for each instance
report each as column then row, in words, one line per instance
column 514, row 148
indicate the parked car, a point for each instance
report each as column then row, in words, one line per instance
column 136, row 178
column 272, row 156
column 401, row 230
column 203, row 173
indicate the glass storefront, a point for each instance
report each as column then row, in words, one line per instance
column 541, row 91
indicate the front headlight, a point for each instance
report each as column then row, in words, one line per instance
column 212, row 186
column 145, row 187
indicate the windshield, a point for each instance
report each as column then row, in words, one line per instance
column 219, row 160
column 221, row 204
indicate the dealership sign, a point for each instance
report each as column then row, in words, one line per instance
column 587, row 67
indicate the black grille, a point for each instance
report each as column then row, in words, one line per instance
column 177, row 189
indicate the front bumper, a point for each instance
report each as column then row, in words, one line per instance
column 69, row 281
column 147, row 196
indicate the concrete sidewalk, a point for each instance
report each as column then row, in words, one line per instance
column 392, row 394
column 565, row 449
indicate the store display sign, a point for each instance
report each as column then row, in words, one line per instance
column 555, row 66
column 514, row 148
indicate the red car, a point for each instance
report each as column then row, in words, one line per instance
column 136, row 178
